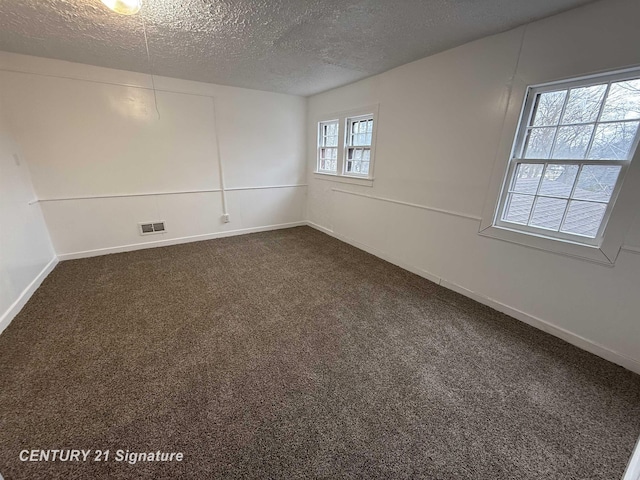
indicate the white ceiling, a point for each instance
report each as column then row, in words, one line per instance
column 299, row 47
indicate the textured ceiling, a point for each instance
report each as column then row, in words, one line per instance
column 298, row 46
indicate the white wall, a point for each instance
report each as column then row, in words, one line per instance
column 102, row 161
column 26, row 254
column 439, row 134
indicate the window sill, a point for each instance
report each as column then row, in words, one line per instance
column 547, row 244
column 332, row 177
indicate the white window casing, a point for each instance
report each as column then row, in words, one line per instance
column 572, row 174
column 351, row 158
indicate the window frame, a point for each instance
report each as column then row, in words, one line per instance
column 349, row 121
column 344, row 118
column 619, row 214
column 321, row 136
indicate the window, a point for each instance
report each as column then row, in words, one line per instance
column 573, row 147
column 358, row 148
column 328, row 146
column 346, row 145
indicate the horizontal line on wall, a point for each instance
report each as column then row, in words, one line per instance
column 102, row 82
column 124, row 195
column 630, row 249
column 178, row 192
column 412, row 205
column 266, row 187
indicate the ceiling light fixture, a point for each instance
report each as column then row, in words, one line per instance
column 124, row 7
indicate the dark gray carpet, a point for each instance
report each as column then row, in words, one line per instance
column 289, row 355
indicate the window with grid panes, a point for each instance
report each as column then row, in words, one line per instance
column 358, row 145
column 328, row 146
column 574, row 144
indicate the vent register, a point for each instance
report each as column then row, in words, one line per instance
column 152, row 227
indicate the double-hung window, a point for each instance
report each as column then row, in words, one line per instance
column 573, row 147
column 328, row 146
column 358, row 145
column 346, row 145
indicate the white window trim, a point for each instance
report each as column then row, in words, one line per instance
column 622, row 211
column 341, row 176
column 350, row 120
column 320, row 146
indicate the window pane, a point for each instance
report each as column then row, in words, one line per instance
column 572, row 142
column 539, row 142
column 328, row 165
column 558, row 180
column 584, row 218
column 360, row 132
column 328, row 159
column 358, row 160
column 332, row 141
column 596, row 182
column 527, row 178
column 623, row 101
column 328, row 134
column 613, row 141
column 548, row 108
column 518, row 208
column 583, row 105
column 548, row 213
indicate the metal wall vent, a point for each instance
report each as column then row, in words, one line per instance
column 152, row 227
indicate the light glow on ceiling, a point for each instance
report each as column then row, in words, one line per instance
column 124, row 7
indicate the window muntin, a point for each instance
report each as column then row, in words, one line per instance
column 573, row 146
column 358, row 145
column 328, row 146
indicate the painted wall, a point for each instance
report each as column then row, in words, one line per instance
column 25, row 247
column 441, row 120
column 102, row 159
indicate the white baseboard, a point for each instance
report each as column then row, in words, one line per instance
column 377, row 253
column 633, row 467
column 22, row 299
column 540, row 324
column 570, row 337
column 175, row 241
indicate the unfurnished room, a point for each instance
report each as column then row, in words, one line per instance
column 330, row 239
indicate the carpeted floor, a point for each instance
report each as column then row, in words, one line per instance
column 289, row 354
